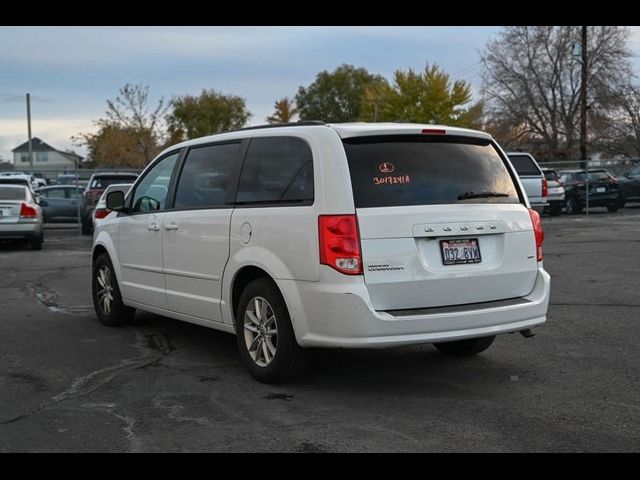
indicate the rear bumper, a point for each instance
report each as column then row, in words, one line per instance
column 330, row 315
column 11, row 231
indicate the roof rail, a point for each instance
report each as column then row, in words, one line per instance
column 302, row 123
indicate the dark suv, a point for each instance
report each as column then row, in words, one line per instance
column 97, row 184
column 604, row 190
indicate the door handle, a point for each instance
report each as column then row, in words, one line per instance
column 153, row 227
column 171, row 226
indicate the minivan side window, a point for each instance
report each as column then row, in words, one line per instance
column 276, row 170
column 205, row 176
column 151, row 192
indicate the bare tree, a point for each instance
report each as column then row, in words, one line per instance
column 131, row 111
column 531, row 83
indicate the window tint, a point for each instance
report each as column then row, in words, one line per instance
column 151, row 192
column 205, row 176
column 276, row 170
column 524, row 165
column 396, row 170
column 12, row 193
column 551, row 175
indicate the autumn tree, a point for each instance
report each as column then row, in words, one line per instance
column 531, row 83
column 285, row 111
column 429, row 96
column 209, row 113
column 130, row 134
column 335, row 96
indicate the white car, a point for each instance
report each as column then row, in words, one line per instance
column 101, row 210
column 313, row 235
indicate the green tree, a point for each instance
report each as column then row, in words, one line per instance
column 131, row 133
column 285, row 111
column 335, row 96
column 421, row 97
column 210, row 112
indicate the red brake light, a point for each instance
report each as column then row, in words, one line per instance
column 101, row 213
column 27, row 211
column 340, row 243
column 433, row 131
column 545, row 187
column 537, row 232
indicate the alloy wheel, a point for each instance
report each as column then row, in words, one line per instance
column 260, row 331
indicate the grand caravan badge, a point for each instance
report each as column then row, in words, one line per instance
column 386, row 168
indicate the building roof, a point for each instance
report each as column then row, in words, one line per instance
column 39, row 146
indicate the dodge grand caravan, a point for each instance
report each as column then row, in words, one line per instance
column 312, row 235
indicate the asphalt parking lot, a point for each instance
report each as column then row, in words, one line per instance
column 69, row 384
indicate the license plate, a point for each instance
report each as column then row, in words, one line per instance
column 460, row 251
column 601, row 189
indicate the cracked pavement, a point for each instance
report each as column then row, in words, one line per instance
column 68, row 384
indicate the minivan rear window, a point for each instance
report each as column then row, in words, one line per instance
column 398, row 170
column 524, row 165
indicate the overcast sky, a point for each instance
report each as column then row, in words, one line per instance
column 71, row 71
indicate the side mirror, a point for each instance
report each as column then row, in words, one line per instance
column 43, row 203
column 115, row 201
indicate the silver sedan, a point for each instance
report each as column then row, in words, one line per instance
column 20, row 215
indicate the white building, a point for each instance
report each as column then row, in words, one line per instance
column 45, row 158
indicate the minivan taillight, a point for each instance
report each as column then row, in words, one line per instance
column 537, row 232
column 340, row 243
column 545, row 187
column 27, row 211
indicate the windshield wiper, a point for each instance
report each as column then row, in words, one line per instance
column 470, row 195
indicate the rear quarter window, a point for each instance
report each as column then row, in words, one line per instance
column 398, row 170
column 277, row 170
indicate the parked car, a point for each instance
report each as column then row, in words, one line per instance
column 532, row 179
column 20, row 178
column 556, row 194
column 20, row 215
column 603, row 190
column 315, row 235
column 96, row 186
column 60, row 203
column 101, row 210
column 629, row 184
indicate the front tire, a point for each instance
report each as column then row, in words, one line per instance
column 465, row 348
column 573, row 206
column 266, row 340
column 107, row 301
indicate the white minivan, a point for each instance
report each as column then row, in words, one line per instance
column 327, row 235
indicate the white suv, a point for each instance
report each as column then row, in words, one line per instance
column 315, row 235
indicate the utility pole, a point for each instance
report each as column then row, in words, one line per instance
column 29, row 129
column 583, row 102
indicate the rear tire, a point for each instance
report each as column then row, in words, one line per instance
column 266, row 340
column 36, row 244
column 464, row 348
column 555, row 210
column 107, row 301
column 86, row 229
column 613, row 207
